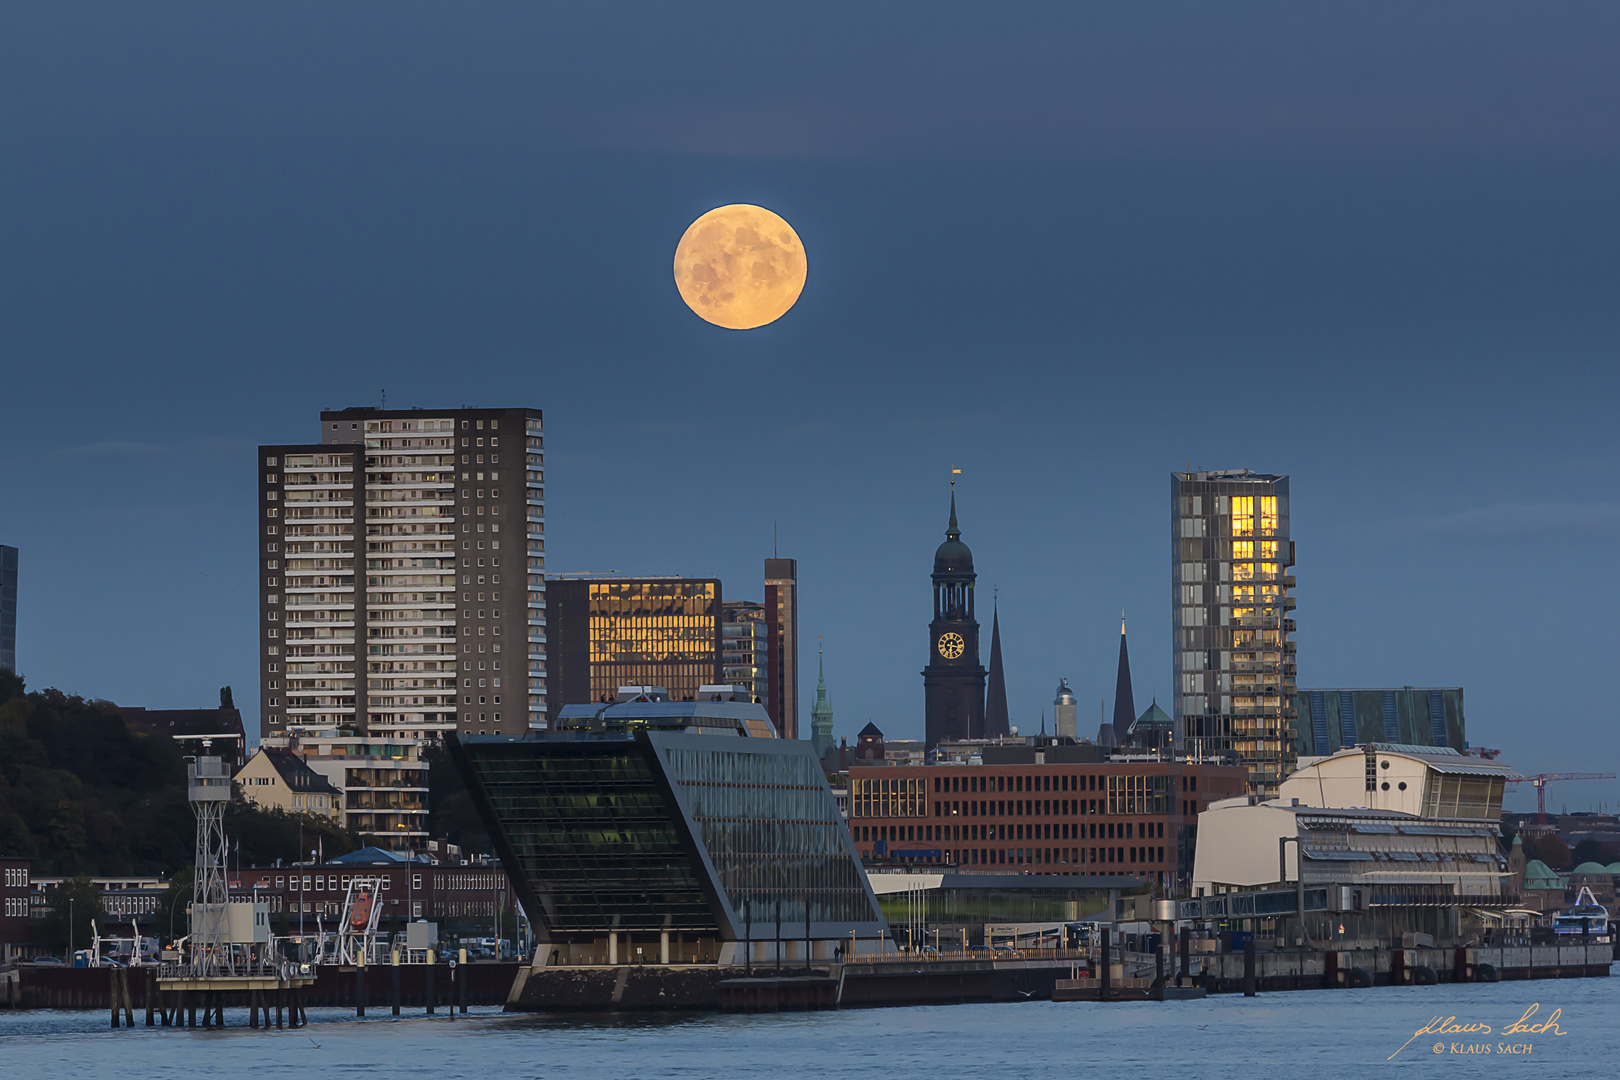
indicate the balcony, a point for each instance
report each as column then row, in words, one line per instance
column 1288, row 626
column 1288, row 581
column 1256, row 622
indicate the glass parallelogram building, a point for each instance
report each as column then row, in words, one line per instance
column 671, row 832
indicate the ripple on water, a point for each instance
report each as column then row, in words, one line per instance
column 1320, row 1034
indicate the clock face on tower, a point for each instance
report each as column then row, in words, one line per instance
column 951, row 645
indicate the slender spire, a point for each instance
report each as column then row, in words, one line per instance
column 821, row 714
column 1124, row 700
column 951, row 531
column 996, row 721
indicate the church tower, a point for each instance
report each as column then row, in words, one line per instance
column 821, row 714
column 953, row 681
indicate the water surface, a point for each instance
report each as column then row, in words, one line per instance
column 1319, row 1035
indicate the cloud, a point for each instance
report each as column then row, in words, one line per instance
column 118, row 448
column 1529, row 521
column 129, row 448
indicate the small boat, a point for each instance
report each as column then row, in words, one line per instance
column 360, row 912
column 1585, row 916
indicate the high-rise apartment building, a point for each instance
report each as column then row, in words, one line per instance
column 1231, row 593
column 782, row 633
column 745, row 647
column 8, row 608
column 613, row 632
column 384, row 548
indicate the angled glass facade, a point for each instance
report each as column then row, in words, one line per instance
column 667, row 817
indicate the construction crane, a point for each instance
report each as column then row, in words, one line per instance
column 1541, row 780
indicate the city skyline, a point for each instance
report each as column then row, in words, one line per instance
column 1403, row 300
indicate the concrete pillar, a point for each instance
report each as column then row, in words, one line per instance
column 663, row 947
column 613, row 948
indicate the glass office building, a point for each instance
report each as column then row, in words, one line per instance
column 1231, row 595
column 745, row 648
column 672, row 828
column 613, row 632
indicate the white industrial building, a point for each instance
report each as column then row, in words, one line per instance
column 1408, row 834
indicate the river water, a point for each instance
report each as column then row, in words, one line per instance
column 1314, row 1034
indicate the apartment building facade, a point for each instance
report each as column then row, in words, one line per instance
column 402, row 575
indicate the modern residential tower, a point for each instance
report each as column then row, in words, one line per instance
column 746, row 648
column 782, row 633
column 402, row 572
column 1231, row 594
column 8, row 608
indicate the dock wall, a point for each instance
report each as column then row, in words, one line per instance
column 30, row 987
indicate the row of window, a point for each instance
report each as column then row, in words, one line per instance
column 901, row 834
column 1042, row 856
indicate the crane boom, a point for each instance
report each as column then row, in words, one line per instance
column 1541, row 780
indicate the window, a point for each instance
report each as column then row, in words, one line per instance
column 1243, row 515
column 1268, row 515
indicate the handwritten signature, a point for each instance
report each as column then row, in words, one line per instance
column 1448, row 1025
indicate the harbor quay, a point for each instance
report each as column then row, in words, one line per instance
column 672, row 857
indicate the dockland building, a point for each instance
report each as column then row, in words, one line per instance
column 672, row 831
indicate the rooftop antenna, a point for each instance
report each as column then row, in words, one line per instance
column 385, row 397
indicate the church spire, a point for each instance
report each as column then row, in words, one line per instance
column 1124, row 700
column 951, row 531
column 821, row 714
column 996, row 721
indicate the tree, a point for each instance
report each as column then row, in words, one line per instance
column 82, row 792
column 260, row 836
column 1590, row 850
column 1550, row 850
column 78, row 899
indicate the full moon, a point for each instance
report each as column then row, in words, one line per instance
column 740, row 266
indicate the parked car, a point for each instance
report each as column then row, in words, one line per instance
column 47, row 961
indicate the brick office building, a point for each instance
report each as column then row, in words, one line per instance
column 464, row 895
column 1117, row 817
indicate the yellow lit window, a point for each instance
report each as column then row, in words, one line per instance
column 1243, row 515
column 1268, row 592
column 1268, row 514
column 1243, row 571
column 1268, row 570
column 1244, row 549
column 1243, row 594
column 1268, row 549
column 1242, row 612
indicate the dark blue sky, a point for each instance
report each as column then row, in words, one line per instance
column 1066, row 249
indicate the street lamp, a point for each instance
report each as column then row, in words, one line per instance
column 70, row 931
